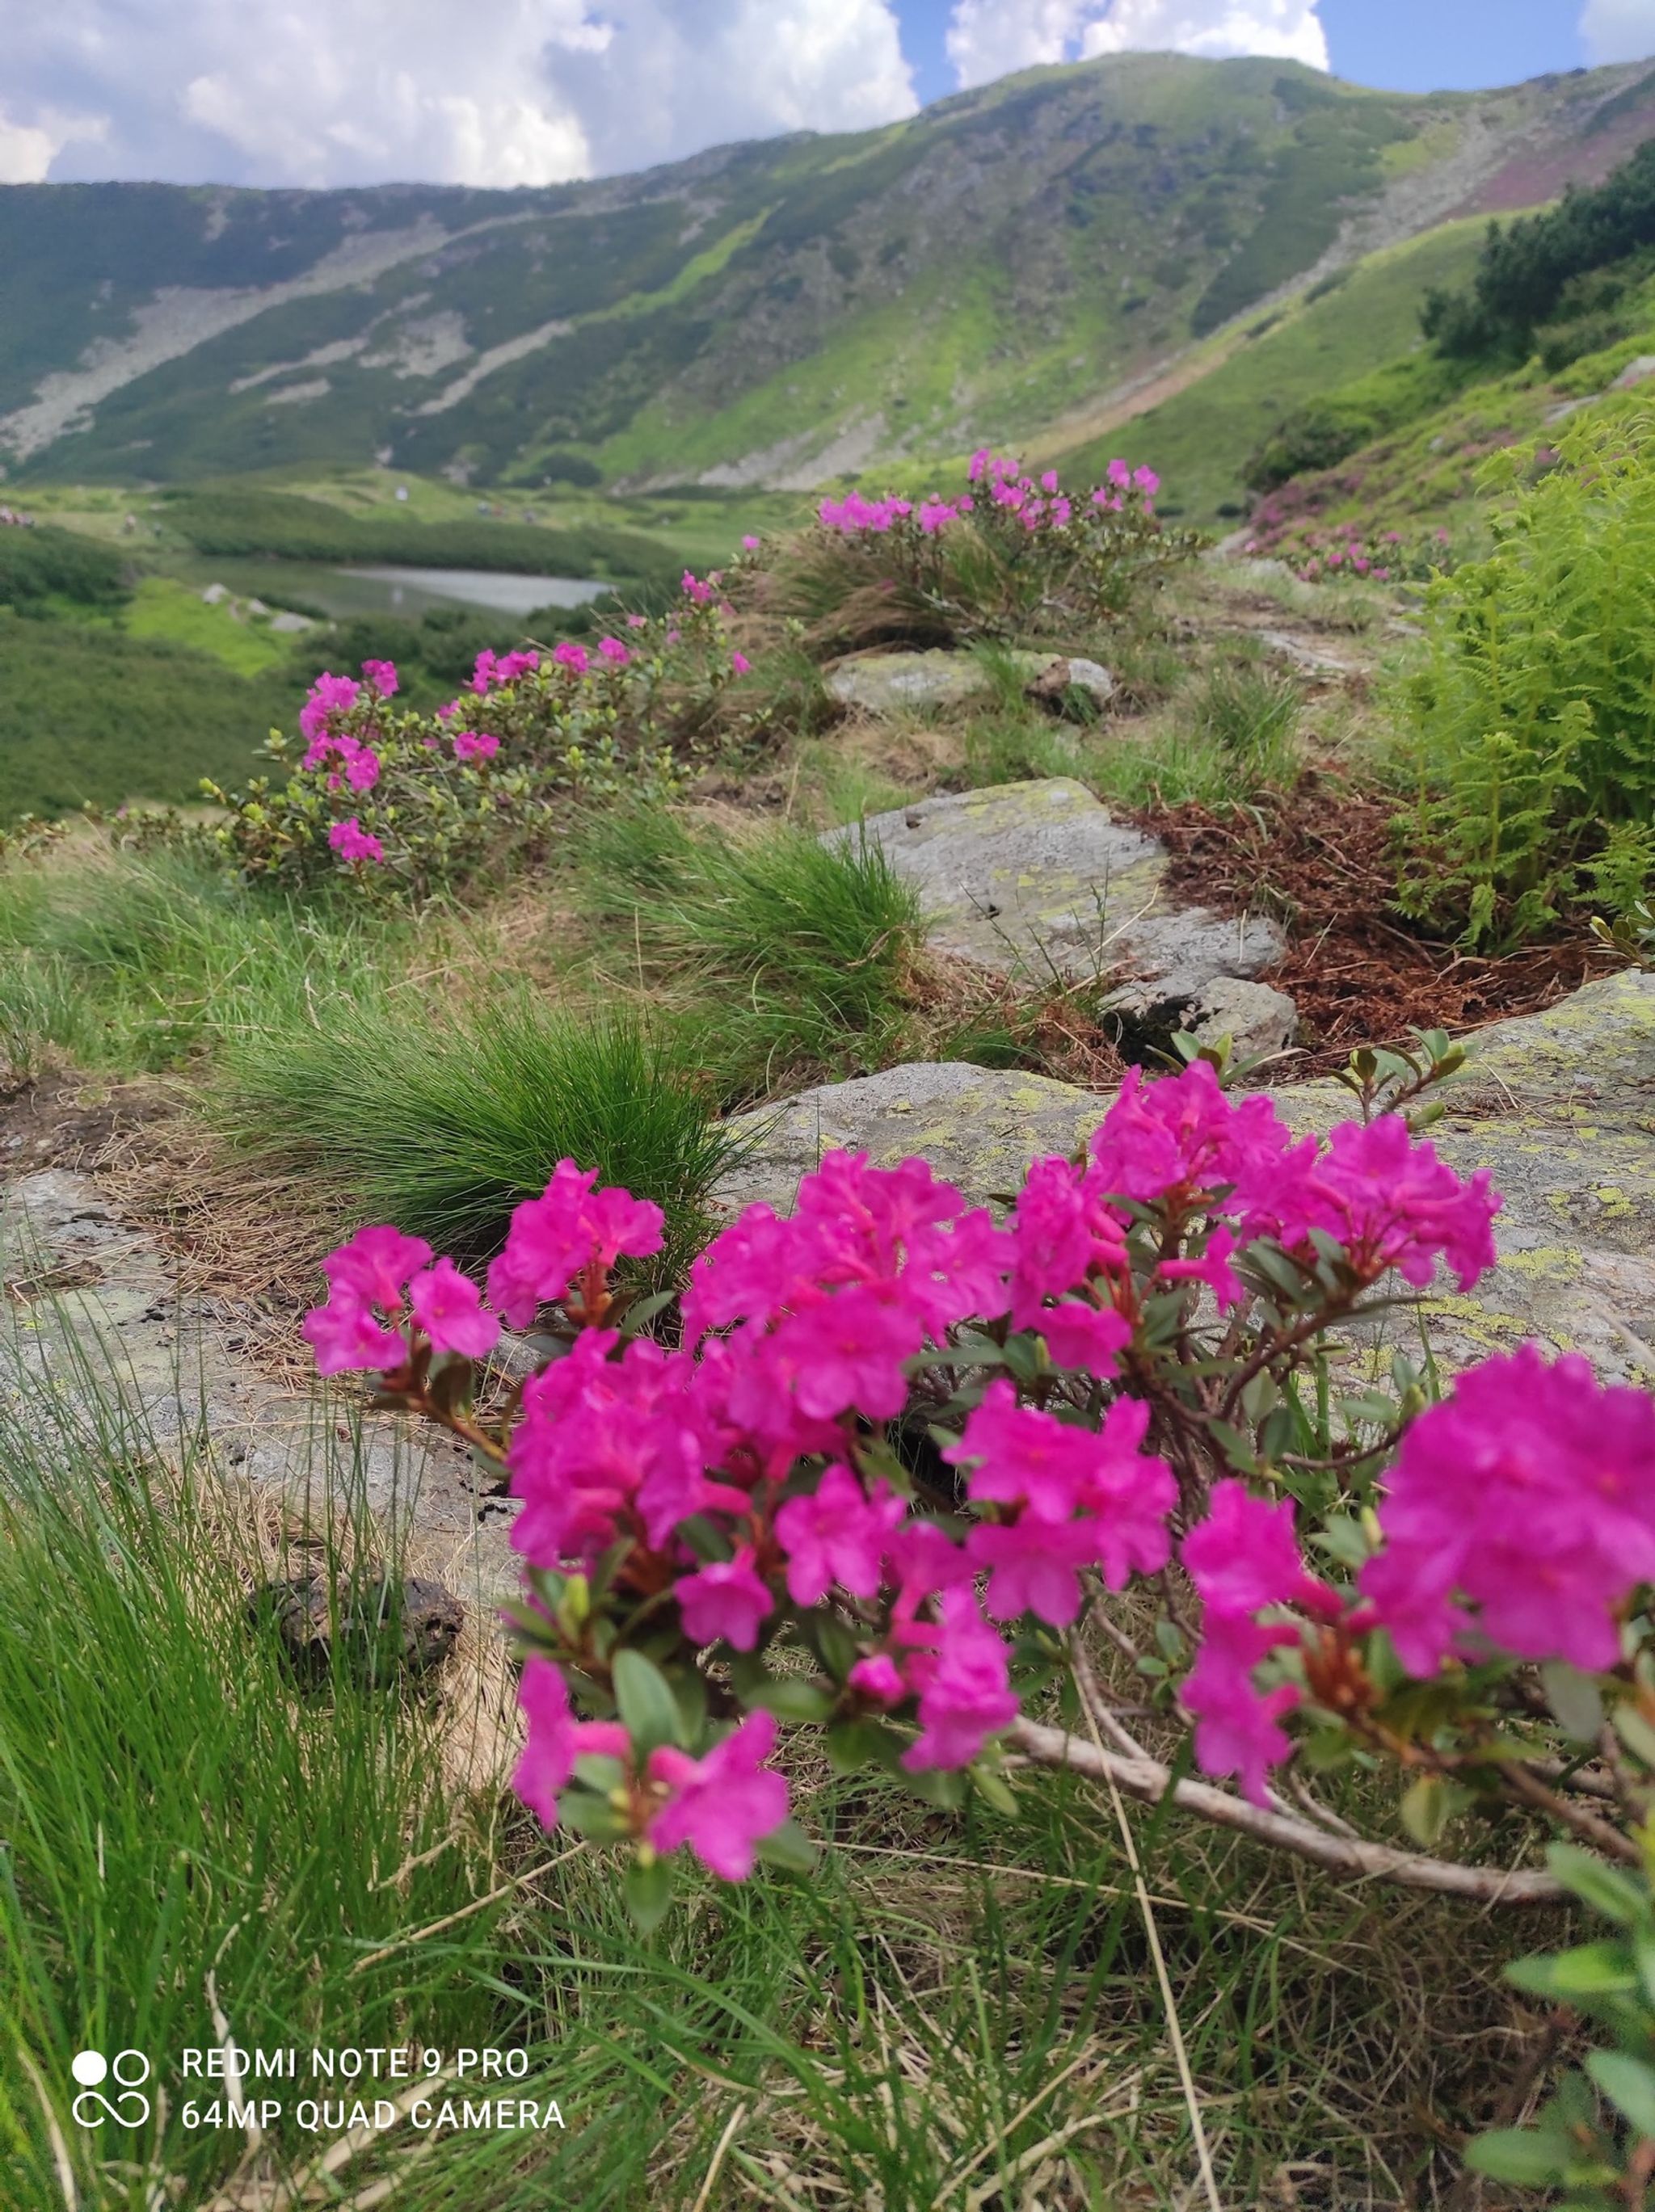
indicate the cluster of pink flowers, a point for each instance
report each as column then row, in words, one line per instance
column 1529, row 1495
column 853, row 514
column 493, row 669
column 729, row 1475
column 1243, row 1560
column 353, row 843
column 722, row 1806
column 475, row 745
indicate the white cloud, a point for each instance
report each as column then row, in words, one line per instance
column 28, row 149
column 987, row 38
column 1618, row 30
column 489, row 92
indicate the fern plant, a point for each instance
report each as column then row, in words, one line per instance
column 1532, row 721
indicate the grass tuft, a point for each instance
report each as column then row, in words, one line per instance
column 442, row 1126
column 790, row 957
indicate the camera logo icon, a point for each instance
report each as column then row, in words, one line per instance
column 131, row 2108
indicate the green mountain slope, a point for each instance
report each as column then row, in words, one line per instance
column 1013, row 260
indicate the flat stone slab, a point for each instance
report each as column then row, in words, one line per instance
column 979, row 1127
column 913, row 682
column 94, row 1330
column 1560, row 1107
column 1039, row 879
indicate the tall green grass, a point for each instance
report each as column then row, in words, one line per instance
column 788, row 956
column 442, row 1123
column 178, row 1821
column 131, row 963
column 952, row 2006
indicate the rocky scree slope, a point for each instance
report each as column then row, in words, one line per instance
column 773, row 313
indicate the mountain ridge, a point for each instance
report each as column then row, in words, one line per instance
column 771, row 313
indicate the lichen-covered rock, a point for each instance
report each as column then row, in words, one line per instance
column 95, row 1328
column 1558, row 1107
column 979, row 1127
column 1039, row 879
column 371, row 1631
column 907, row 683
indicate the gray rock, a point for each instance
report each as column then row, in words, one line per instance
column 1040, row 879
column 979, row 1127
column 1559, row 1108
column 289, row 624
column 96, row 1334
column 1634, row 374
column 1257, row 1020
column 909, row 682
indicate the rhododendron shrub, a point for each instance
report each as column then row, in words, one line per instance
column 1009, row 556
column 400, row 801
column 876, row 1469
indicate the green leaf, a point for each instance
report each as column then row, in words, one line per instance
column 647, row 1889
column 1591, row 1970
column 853, row 1745
column 1518, row 2154
column 1575, row 1698
column 645, row 1698
column 1628, row 2084
column 1635, row 1732
column 789, row 1699
column 994, row 1789
column 944, row 1788
column 1425, row 1809
column 1618, row 1896
column 595, row 1818
column 789, row 1846
column 1343, row 1539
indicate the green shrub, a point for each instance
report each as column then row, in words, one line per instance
column 40, row 563
column 1532, row 722
column 442, row 1122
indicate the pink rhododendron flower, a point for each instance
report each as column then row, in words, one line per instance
column 722, row 1805
column 352, row 843
column 572, row 657
column 329, row 695
column 835, row 1533
column 1387, row 1197
column 1528, row 1495
column 361, row 769
column 475, row 745
column 740, row 664
column 603, row 1444
column 1243, row 1559
column 448, row 1307
column 367, row 1277
column 345, row 1336
column 752, row 543
column 613, row 650
column 1146, row 481
column 556, row 1739
column 964, row 1688
column 880, row 1678
column 382, row 675
column 1084, row 1337
column 1034, row 1566
column 726, row 1599
column 694, row 589
column 637, row 621
column 570, row 1229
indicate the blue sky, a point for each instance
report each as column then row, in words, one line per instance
column 1401, row 46
column 533, row 92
